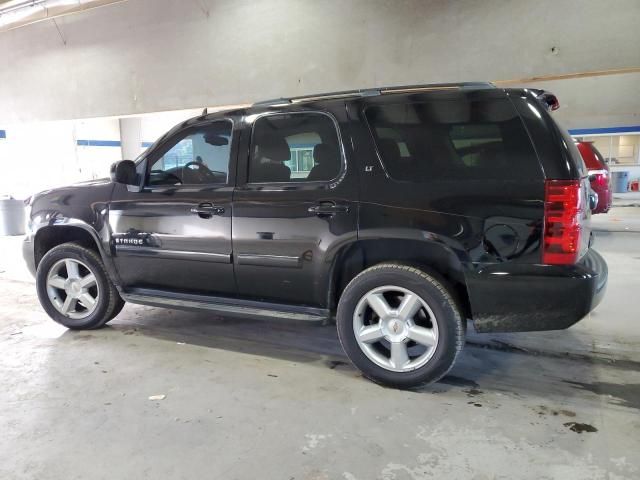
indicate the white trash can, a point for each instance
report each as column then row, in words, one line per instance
column 12, row 216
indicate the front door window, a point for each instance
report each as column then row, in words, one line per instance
column 200, row 156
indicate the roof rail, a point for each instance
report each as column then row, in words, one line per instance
column 273, row 101
column 369, row 92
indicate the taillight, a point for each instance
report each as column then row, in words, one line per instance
column 602, row 180
column 562, row 221
column 599, row 178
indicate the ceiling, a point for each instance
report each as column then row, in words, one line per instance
column 18, row 13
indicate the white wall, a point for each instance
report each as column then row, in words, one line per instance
column 617, row 146
column 634, row 171
column 157, row 124
column 624, row 148
column 95, row 160
column 42, row 155
column 38, row 156
column 155, row 55
column 4, row 158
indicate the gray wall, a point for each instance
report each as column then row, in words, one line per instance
column 153, row 55
column 609, row 101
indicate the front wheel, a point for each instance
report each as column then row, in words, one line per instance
column 74, row 288
column 400, row 325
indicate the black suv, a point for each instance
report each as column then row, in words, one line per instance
column 401, row 212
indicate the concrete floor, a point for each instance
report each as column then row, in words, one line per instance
column 248, row 399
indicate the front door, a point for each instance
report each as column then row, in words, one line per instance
column 175, row 234
column 294, row 208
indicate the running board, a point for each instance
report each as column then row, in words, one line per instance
column 231, row 307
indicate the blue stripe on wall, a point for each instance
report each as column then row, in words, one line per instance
column 3, row 134
column 98, row 143
column 146, row 144
column 610, row 130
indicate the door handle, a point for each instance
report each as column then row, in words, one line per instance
column 207, row 210
column 328, row 208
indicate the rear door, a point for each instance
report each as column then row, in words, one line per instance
column 175, row 234
column 294, row 206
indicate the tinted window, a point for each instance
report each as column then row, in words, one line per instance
column 299, row 147
column 452, row 140
column 197, row 156
column 598, row 155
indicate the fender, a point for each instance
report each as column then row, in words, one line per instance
column 83, row 207
column 398, row 245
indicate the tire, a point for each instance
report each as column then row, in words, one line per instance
column 117, row 308
column 63, row 287
column 433, row 336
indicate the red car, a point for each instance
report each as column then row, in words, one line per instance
column 599, row 175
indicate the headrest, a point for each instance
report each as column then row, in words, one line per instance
column 491, row 156
column 274, row 148
column 323, row 154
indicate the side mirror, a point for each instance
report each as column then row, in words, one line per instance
column 124, row 171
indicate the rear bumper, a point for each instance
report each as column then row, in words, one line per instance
column 605, row 199
column 29, row 255
column 520, row 298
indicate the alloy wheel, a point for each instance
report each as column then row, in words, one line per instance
column 395, row 328
column 72, row 288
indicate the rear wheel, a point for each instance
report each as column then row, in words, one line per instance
column 400, row 325
column 74, row 288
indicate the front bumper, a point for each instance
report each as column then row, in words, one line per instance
column 29, row 255
column 519, row 298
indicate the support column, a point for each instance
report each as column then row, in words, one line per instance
column 131, row 137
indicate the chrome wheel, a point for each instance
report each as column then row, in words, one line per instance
column 72, row 288
column 395, row 328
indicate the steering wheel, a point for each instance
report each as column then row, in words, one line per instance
column 166, row 178
column 196, row 164
column 201, row 170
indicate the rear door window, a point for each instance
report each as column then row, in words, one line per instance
column 446, row 139
column 297, row 147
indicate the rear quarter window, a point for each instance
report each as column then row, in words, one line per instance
column 453, row 139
